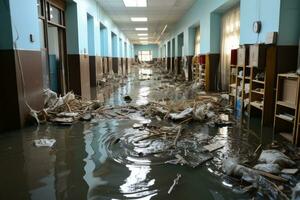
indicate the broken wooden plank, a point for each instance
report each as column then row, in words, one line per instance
column 175, row 182
column 290, row 171
column 213, row 147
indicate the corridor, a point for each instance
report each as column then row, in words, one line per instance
column 149, row 99
column 84, row 164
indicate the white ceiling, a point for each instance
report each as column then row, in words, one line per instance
column 159, row 13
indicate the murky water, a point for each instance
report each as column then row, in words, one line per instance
column 84, row 165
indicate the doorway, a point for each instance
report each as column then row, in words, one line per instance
column 53, row 45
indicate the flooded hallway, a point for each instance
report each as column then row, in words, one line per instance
column 149, row 100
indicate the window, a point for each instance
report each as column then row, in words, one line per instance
column 54, row 15
column 230, row 39
column 145, row 55
column 40, row 8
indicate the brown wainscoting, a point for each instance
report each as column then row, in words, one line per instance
column 99, row 68
column 126, row 66
column 9, row 109
column 120, row 66
column 172, row 64
column 115, row 65
column 79, row 75
column 211, row 71
column 14, row 112
column 179, row 66
column 85, row 77
column 190, row 67
column 110, row 65
column 105, row 65
column 168, row 63
column 74, row 73
column 92, row 63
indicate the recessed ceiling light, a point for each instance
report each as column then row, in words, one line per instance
column 142, row 34
column 139, row 19
column 135, row 3
column 141, row 29
column 143, row 38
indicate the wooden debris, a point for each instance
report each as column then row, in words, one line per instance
column 177, row 136
column 213, row 147
column 181, row 159
column 269, row 175
column 175, row 182
column 290, row 171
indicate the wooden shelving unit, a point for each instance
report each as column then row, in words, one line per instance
column 202, row 70
column 261, row 84
column 232, row 77
column 266, row 61
column 286, row 119
column 196, row 68
column 242, row 79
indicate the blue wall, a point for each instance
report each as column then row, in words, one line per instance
column 149, row 47
column 276, row 16
column 266, row 11
column 5, row 27
column 19, row 19
column 93, row 8
column 103, row 41
column 289, row 24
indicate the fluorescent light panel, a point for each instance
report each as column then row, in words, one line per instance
column 143, row 38
column 135, row 3
column 141, row 29
column 142, row 34
column 139, row 19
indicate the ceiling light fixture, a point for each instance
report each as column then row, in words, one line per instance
column 143, row 38
column 135, row 3
column 142, row 34
column 139, row 19
column 141, row 29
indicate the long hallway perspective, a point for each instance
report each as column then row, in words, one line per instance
column 149, row 99
column 120, row 156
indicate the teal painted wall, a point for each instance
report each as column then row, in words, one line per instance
column 19, row 19
column 266, row 11
column 289, row 24
column 91, row 35
column 93, row 8
column 149, row 47
column 72, row 28
column 103, row 41
column 276, row 16
column 5, row 27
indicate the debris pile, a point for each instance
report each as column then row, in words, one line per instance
column 271, row 178
column 208, row 109
column 64, row 110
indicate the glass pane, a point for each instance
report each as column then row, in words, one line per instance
column 55, row 15
column 42, row 36
column 54, row 57
column 40, row 7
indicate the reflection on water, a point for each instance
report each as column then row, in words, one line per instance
column 137, row 185
column 83, row 165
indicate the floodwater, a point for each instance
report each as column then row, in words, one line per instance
column 83, row 165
